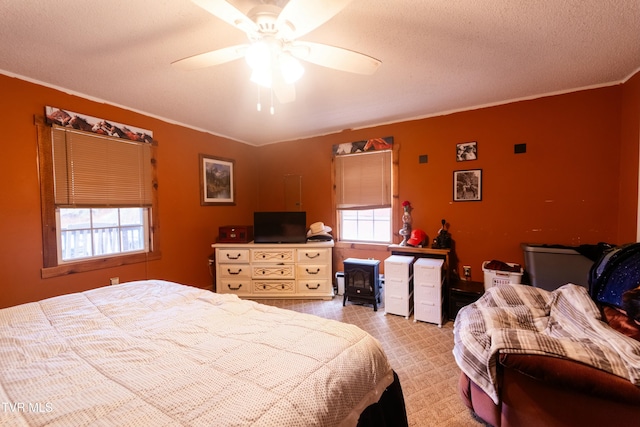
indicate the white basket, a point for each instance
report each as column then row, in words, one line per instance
column 496, row 277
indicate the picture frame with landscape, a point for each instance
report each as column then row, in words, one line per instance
column 216, row 181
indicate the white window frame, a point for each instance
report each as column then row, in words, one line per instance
column 393, row 218
column 360, row 235
column 90, row 230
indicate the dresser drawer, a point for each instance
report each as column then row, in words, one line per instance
column 284, row 271
column 321, row 286
column 398, row 304
column 310, row 271
column 397, row 286
column 319, row 256
column 428, row 291
column 232, row 286
column 274, row 286
column 428, row 311
column 265, row 270
column 232, row 255
column 238, row 271
column 273, row 255
column 398, row 267
column 428, row 270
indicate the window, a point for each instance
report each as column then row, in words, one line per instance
column 98, row 232
column 372, row 225
column 99, row 204
column 363, row 186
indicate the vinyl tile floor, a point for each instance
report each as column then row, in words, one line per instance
column 420, row 353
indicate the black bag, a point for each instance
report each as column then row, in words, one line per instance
column 617, row 271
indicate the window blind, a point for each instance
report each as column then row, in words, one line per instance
column 363, row 180
column 95, row 170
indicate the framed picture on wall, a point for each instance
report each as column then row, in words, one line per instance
column 466, row 151
column 467, row 185
column 216, row 181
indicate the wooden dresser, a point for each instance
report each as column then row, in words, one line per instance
column 262, row 270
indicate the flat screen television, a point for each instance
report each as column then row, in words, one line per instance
column 279, row 227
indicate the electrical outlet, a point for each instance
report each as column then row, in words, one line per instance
column 114, row 280
column 467, row 272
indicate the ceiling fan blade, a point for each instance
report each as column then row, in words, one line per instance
column 335, row 57
column 285, row 92
column 209, row 59
column 301, row 16
column 228, row 13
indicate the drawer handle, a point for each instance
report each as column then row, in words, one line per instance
column 313, row 272
column 234, row 272
column 317, row 286
column 231, row 288
column 312, row 256
column 234, row 257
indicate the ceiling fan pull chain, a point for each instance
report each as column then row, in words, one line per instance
column 272, row 110
column 259, row 106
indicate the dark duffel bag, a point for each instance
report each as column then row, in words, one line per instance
column 617, row 271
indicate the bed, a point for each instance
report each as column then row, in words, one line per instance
column 160, row 353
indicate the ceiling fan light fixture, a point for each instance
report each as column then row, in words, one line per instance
column 258, row 55
column 273, row 50
column 290, row 67
column 262, row 76
column 259, row 59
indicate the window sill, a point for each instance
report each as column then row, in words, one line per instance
column 97, row 264
column 345, row 244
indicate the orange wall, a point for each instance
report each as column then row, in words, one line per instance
column 563, row 190
column 576, row 184
column 629, row 160
column 187, row 229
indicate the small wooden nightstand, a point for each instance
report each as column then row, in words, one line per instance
column 461, row 293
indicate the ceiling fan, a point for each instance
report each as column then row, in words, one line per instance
column 273, row 50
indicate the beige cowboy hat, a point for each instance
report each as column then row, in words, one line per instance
column 318, row 229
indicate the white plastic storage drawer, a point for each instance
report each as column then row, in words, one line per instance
column 428, row 311
column 400, row 304
column 398, row 283
column 427, row 278
column 398, row 266
column 428, row 270
column 427, row 291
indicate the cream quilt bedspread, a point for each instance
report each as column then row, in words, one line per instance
column 156, row 353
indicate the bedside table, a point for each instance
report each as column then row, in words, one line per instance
column 461, row 293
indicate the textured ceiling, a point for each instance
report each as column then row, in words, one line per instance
column 437, row 56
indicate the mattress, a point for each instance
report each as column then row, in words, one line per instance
column 163, row 354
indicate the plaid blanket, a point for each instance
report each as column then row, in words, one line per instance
column 523, row 319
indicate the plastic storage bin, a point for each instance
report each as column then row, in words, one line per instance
column 550, row 267
column 497, row 277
